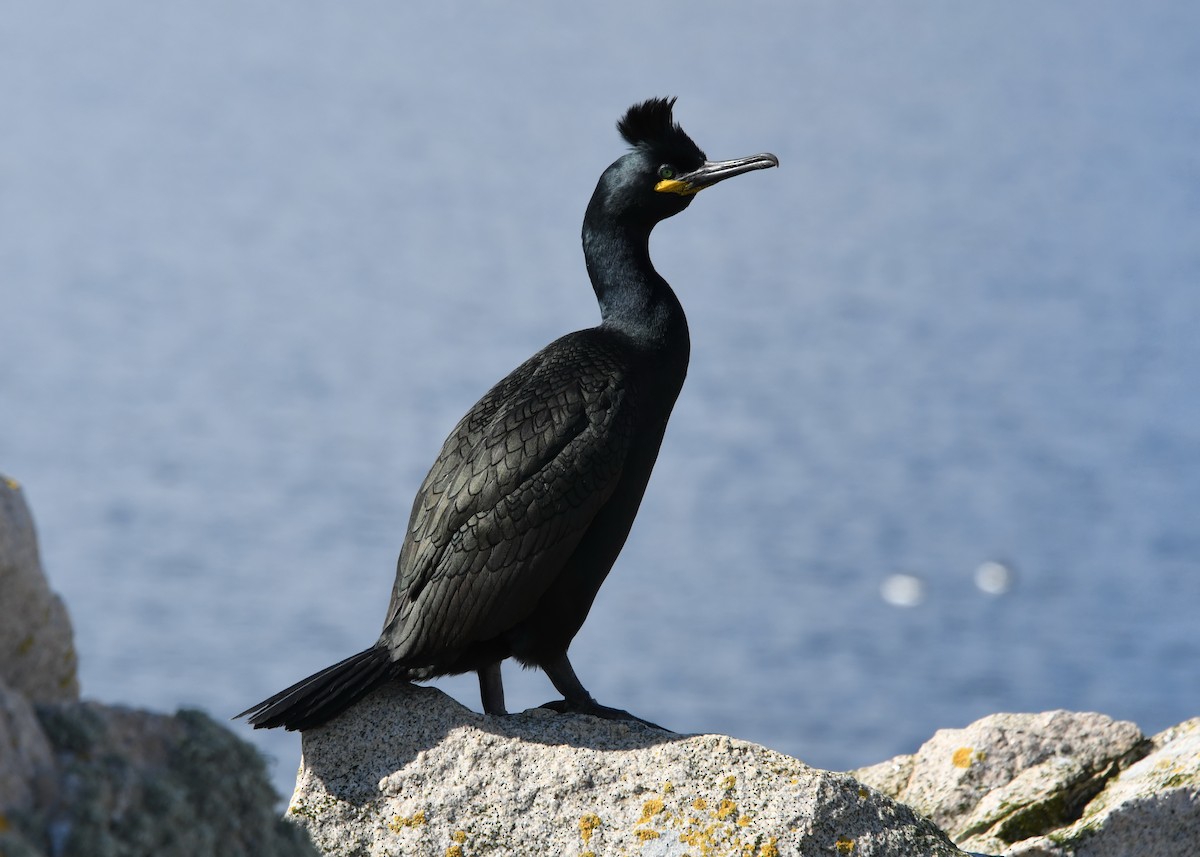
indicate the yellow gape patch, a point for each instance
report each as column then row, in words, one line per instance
column 676, row 186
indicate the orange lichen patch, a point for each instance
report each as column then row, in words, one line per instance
column 454, row 851
column 459, row 836
column 863, row 793
column 729, row 783
column 11, row 483
column 587, row 825
column 964, row 757
column 726, row 808
column 646, row 833
column 4, row 823
column 650, row 809
column 699, row 803
column 770, row 849
column 743, row 821
column 668, row 787
column 399, row 822
column 844, row 845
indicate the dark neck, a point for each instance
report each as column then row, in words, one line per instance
column 633, row 297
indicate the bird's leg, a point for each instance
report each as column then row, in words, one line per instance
column 491, row 689
column 576, row 699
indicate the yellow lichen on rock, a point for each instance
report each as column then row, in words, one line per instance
column 711, row 825
column 587, row 826
column 650, row 809
column 701, row 837
column 844, row 845
column 965, row 757
column 399, row 822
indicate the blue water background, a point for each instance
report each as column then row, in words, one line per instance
column 257, row 258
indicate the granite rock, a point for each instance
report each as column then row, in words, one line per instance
column 126, row 783
column 79, row 779
column 1150, row 808
column 410, row 771
column 26, row 758
column 37, row 649
column 1057, row 784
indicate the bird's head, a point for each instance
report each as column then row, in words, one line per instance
column 665, row 169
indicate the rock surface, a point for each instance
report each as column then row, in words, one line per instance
column 25, row 754
column 37, row 648
column 1151, row 808
column 83, row 779
column 126, row 783
column 1058, row 784
column 410, row 771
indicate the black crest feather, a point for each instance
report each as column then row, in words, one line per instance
column 651, row 126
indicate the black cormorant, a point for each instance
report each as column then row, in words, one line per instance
column 534, row 492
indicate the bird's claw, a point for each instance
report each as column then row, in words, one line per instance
column 563, row 706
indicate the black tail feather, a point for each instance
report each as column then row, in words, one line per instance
column 325, row 694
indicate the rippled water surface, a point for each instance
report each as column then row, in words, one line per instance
column 256, row 259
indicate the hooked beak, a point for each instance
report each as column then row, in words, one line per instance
column 715, row 171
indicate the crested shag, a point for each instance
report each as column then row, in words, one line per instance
column 534, row 492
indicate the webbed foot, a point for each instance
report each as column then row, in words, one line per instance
column 563, row 706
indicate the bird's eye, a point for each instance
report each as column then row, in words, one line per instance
column 666, row 172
